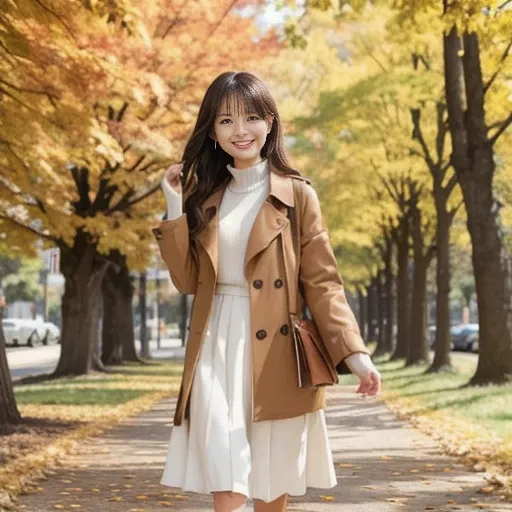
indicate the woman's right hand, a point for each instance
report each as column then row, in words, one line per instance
column 172, row 178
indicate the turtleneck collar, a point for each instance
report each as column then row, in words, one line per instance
column 245, row 180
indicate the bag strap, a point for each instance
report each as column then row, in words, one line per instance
column 296, row 230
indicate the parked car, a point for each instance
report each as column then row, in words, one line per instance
column 52, row 334
column 12, row 332
column 431, row 333
column 465, row 337
column 23, row 331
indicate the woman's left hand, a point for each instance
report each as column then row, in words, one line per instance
column 360, row 364
column 370, row 384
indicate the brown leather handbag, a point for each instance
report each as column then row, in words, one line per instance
column 314, row 365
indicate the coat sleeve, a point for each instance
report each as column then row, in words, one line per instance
column 323, row 287
column 172, row 237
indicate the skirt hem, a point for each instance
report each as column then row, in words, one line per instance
column 246, row 493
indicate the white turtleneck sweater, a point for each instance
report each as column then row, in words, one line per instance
column 240, row 204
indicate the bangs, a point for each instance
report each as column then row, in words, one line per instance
column 239, row 100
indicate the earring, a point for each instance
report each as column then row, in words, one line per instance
column 215, row 145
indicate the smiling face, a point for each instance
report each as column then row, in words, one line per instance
column 241, row 133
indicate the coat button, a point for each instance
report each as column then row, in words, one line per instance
column 261, row 334
column 284, row 329
column 257, row 283
column 278, row 283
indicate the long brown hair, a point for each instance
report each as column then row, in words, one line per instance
column 204, row 169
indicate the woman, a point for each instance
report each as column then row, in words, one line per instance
column 243, row 428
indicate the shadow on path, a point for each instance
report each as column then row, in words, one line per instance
column 383, row 465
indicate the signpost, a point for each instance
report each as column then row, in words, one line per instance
column 51, row 262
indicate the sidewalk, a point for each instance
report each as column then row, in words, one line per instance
column 383, row 465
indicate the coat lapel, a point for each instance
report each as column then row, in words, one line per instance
column 270, row 220
column 209, row 236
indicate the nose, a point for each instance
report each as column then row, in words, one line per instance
column 240, row 128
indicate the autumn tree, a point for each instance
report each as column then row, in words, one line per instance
column 104, row 103
column 476, row 44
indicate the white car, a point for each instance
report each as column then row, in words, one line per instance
column 52, row 333
column 23, row 331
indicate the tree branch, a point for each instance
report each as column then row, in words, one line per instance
column 417, row 134
column 128, row 204
column 55, row 15
column 498, row 68
column 28, row 228
column 503, row 5
column 451, row 184
column 442, row 127
column 504, row 125
column 81, row 178
column 29, row 91
column 454, row 210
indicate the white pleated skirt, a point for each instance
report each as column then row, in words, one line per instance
column 223, row 449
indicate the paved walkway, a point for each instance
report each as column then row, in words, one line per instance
column 383, row 465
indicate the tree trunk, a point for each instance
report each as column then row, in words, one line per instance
column 144, row 335
column 418, row 344
column 362, row 313
column 390, row 296
column 96, row 324
column 442, row 344
column 473, row 160
column 380, row 310
column 83, row 274
column 118, row 335
column 125, row 310
column 372, row 313
column 9, row 414
column 402, row 291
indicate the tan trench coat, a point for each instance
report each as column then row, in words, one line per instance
column 275, row 391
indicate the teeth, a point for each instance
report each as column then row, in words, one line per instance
column 242, row 144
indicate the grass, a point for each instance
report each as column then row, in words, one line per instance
column 59, row 413
column 473, row 422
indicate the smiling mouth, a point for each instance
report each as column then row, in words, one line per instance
column 243, row 143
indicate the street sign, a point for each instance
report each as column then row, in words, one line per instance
column 51, row 258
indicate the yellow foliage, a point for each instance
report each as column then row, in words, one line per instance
column 96, row 101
